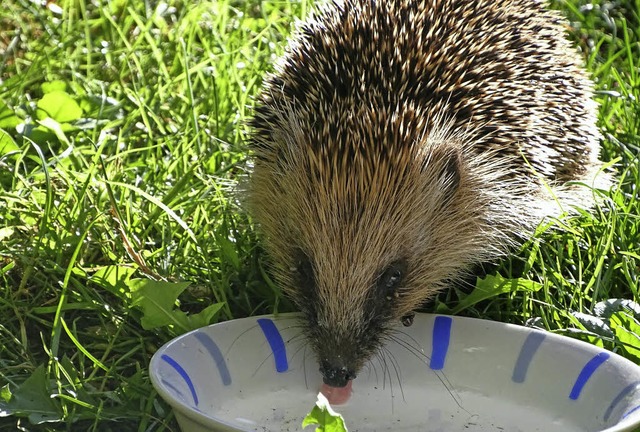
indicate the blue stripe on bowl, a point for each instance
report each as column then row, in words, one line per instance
column 586, row 372
column 183, row 373
column 528, row 350
column 214, row 351
column 440, row 342
column 631, row 411
column 630, row 389
column 276, row 343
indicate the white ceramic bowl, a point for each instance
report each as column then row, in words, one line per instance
column 441, row 374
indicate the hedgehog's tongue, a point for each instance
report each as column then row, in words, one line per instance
column 337, row 395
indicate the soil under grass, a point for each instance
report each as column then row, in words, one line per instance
column 121, row 144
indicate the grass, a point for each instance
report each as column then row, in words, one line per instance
column 129, row 191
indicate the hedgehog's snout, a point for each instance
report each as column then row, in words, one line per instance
column 336, row 375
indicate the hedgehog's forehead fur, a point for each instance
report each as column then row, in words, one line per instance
column 355, row 201
column 360, row 210
column 416, row 130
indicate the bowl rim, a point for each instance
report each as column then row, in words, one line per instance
column 206, row 420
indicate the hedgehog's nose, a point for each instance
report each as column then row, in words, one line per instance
column 335, row 376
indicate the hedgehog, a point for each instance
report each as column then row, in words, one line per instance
column 399, row 143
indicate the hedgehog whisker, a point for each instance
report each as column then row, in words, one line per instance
column 383, row 356
column 288, row 342
column 253, row 327
column 297, row 326
column 303, row 344
column 295, row 338
column 238, row 338
column 383, row 364
column 304, row 365
column 372, row 367
column 423, row 358
column 267, row 357
column 417, row 346
column 397, row 369
column 447, row 385
column 415, row 351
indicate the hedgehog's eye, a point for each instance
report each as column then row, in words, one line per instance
column 391, row 279
column 407, row 320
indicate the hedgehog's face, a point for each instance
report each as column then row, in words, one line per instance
column 346, row 324
column 358, row 252
column 360, row 228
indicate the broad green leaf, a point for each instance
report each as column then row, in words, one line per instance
column 114, row 279
column 627, row 331
column 5, row 393
column 7, row 144
column 606, row 308
column 593, row 324
column 326, row 419
column 587, row 328
column 157, row 301
column 204, row 317
column 493, row 285
column 53, row 86
column 60, row 106
column 33, row 400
